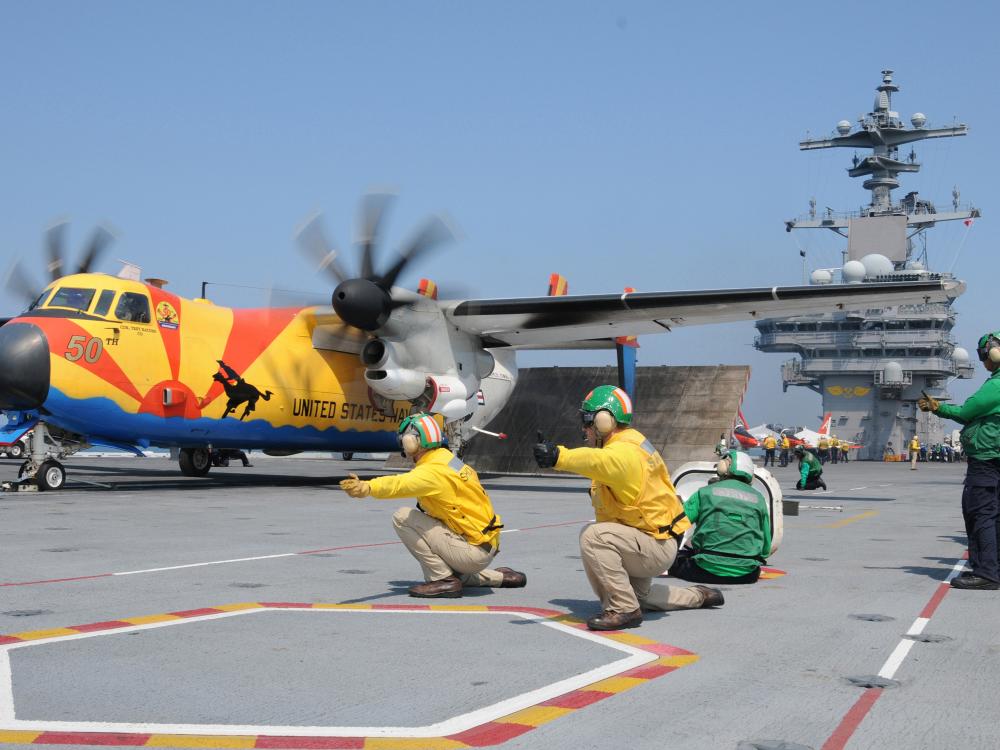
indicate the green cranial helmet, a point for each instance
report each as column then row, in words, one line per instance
column 609, row 398
column 986, row 342
column 425, row 427
column 737, row 465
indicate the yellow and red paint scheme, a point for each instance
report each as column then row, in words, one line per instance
column 156, row 383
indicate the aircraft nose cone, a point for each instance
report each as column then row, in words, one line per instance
column 24, row 366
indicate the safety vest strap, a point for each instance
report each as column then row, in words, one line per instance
column 758, row 558
column 492, row 525
column 669, row 528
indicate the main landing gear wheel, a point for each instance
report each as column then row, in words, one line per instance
column 16, row 450
column 347, row 455
column 195, row 462
column 51, row 475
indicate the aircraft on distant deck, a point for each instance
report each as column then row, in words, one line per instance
column 102, row 359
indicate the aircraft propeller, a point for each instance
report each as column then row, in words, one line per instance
column 366, row 301
column 21, row 284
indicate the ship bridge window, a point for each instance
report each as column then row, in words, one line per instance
column 72, row 297
column 828, row 326
column 133, row 307
column 104, row 302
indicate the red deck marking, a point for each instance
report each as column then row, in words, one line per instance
column 109, row 625
column 197, row 612
column 932, row 605
column 312, row 743
column 350, row 546
column 4, row 639
column 91, row 738
column 664, row 649
column 57, row 580
column 852, row 720
column 577, row 699
column 648, row 672
column 492, row 733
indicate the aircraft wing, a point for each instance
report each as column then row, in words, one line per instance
column 762, row 431
column 557, row 320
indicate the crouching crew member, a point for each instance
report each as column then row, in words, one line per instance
column 732, row 535
column 810, row 470
column 453, row 532
column 639, row 516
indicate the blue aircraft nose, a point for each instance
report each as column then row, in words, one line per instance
column 24, row 366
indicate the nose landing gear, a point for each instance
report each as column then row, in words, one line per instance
column 41, row 470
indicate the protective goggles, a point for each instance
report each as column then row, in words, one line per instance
column 587, row 417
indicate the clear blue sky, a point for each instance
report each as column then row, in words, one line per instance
column 645, row 144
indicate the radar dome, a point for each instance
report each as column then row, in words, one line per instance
column 918, row 119
column 820, row 276
column 892, row 373
column 853, row 272
column 914, row 265
column 961, row 357
column 843, row 127
column 876, row 265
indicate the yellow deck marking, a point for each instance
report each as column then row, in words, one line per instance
column 238, row 607
column 615, row 684
column 851, row 519
column 200, row 740
column 413, row 743
column 34, row 635
column 536, row 715
column 632, row 640
column 18, row 736
column 149, row 619
column 681, row 660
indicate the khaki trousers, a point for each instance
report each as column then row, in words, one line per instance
column 620, row 562
column 441, row 552
column 913, row 458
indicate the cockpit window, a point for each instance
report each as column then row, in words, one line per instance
column 40, row 299
column 104, row 302
column 72, row 297
column 133, row 307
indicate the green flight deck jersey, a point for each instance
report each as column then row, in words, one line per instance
column 809, row 466
column 732, row 520
column 980, row 415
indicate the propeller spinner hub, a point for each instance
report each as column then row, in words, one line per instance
column 362, row 303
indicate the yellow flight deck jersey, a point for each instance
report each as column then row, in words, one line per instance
column 448, row 490
column 631, row 484
column 770, row 443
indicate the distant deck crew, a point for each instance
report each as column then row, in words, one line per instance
column 980, row 417
column 914, row 452
column 732, row 535
column 810, row 470
column 786, row 446
column 453, row 531
column 769, row 445
column 639, row 516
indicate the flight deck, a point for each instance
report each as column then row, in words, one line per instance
column 262, row 607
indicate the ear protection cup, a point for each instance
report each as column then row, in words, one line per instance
column 409, row 443
column 722, row 468
column 994, row 355
column 604, row 423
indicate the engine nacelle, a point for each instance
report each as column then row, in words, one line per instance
column 449, row 397
column 387, row 376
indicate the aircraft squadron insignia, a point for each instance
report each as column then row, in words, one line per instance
column 239, row 391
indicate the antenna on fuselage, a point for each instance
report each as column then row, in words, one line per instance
column 129, row 270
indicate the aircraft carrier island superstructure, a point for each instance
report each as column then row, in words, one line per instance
column 870, row 365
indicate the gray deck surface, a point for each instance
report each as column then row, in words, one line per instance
column 773, row 665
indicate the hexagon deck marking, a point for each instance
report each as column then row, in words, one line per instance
column 491, row 725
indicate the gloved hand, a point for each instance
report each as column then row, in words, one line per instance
column 928, row 403
column 356, row 487
column 546, row 452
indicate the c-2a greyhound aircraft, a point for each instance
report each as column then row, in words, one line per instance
column 98, row 359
